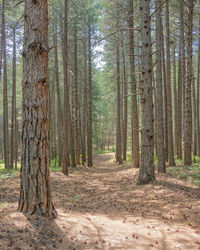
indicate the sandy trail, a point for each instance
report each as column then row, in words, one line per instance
column 103, row 208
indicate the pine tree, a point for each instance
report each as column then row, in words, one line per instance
column 35, row 189
column 146, row 173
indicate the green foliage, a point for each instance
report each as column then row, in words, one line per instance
column 54, row 167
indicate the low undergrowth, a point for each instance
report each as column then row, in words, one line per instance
column 189, row 173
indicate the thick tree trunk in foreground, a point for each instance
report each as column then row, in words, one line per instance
column 159, row 94
column 188, row 97
column 146, row 173
column 35, row 190
column 134, row 105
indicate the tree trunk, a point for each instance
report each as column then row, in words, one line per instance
column 5, row 92
column 89, row 127
column 16, row 139
column 194, row 103
column 159, row 93
column 35, row 190
column 179, row 107
column 66, row 116
column 76, row 101
column 175, row 101
column 59, row 105
column 146, row 173
column 125, row 106
column 198, row 88
column 85, row 105
column 52, row 119
column 118, row 127
column 182, row 27
column 188, row 99
column 134, row 105
column 169, row 92
column 13, row 122
column 165, row 98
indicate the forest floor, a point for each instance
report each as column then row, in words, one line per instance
column 103, row 208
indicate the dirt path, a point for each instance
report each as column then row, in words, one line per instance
column 103, row 208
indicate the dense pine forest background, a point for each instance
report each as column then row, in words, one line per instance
column 103, row 109
column 105, row 96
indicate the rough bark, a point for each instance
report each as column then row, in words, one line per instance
column 147, row 168
column 188, row 98
column 134, row 105
column 159, row 93
column 35, row 189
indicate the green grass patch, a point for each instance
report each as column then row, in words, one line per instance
column 54, row 168
column 189, row 173
column 99, row 152
column 7, row 173
column 54, row 165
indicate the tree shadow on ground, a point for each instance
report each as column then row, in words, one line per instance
column 19, row 232
column 103, row 208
